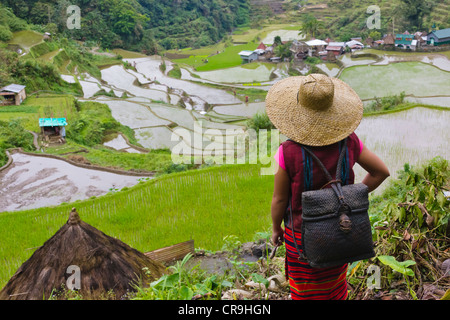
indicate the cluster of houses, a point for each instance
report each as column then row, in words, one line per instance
column 414, row 41
column 329, row 50
column 302, row 49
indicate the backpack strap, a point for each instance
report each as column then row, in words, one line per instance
column 340, row 163
column 335, row 185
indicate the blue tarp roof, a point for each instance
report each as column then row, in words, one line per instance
column 52, row 122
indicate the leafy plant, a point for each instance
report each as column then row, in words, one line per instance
column 182, row 283
column 411, row 224
column 401, row 267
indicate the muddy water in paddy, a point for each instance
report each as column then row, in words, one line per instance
column 34, row 182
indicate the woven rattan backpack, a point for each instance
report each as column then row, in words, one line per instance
column 336, row 227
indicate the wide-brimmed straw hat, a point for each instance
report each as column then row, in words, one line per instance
column 314, row 110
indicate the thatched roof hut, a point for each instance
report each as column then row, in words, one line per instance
column 389, row 40
column 104, row 263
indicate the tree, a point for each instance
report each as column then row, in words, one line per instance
column 277, row 41
column 415, row 10
column 283, row 51
column 375, row 35
column 311, row 26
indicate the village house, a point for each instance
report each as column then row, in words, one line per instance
column 354, row 44
column 13, row 94
column 248, row 56
column 439, row 37
column 337, row 48
column 53, row 129
column 388, row 41
column 316, row 46
column 299, row 49
column 421, row 38
column 405, row 41
column 369, row 42
column 262, row 47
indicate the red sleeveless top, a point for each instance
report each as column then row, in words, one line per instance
column 295, row 160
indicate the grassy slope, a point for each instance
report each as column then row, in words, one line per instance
column 226, row 59
column 204, row 205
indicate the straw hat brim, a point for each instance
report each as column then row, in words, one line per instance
column 313, row 127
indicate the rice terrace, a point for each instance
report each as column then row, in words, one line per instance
column 93, row 117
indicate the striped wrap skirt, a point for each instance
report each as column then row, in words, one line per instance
column 308, row 283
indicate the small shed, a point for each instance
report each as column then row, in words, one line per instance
column 248, row 56
column 439, row 37
column 53, row 127
column 13, row 94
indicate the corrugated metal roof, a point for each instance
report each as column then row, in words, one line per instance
column 52, row 122
column 334, row 48
column 246, row 53
column 16, row 88
column 444, row 33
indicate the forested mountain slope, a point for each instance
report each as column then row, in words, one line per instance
column 138, row 24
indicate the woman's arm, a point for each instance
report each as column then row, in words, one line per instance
column 279, row 204
column 377, row 170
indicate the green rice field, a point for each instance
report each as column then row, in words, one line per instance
column 416, row 78
column 205, row 205
column 225, row 59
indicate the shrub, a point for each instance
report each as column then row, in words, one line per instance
column 5, row 33
column 260, row 121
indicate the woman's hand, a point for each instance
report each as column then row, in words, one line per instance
column 277, row 235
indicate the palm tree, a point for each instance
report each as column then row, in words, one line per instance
column 311, row 26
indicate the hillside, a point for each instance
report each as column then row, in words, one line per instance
column 345, row 19
column 144, row 25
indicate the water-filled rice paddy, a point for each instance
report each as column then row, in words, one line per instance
column 254, row 72
column 411, row 136
column 415, row 78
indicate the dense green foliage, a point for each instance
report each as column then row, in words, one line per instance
column 13, row 135
column 137, row 24
column 411, row 227
column 34, row 74
column 9, row 23
column 194, row 23
column 91, row 123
